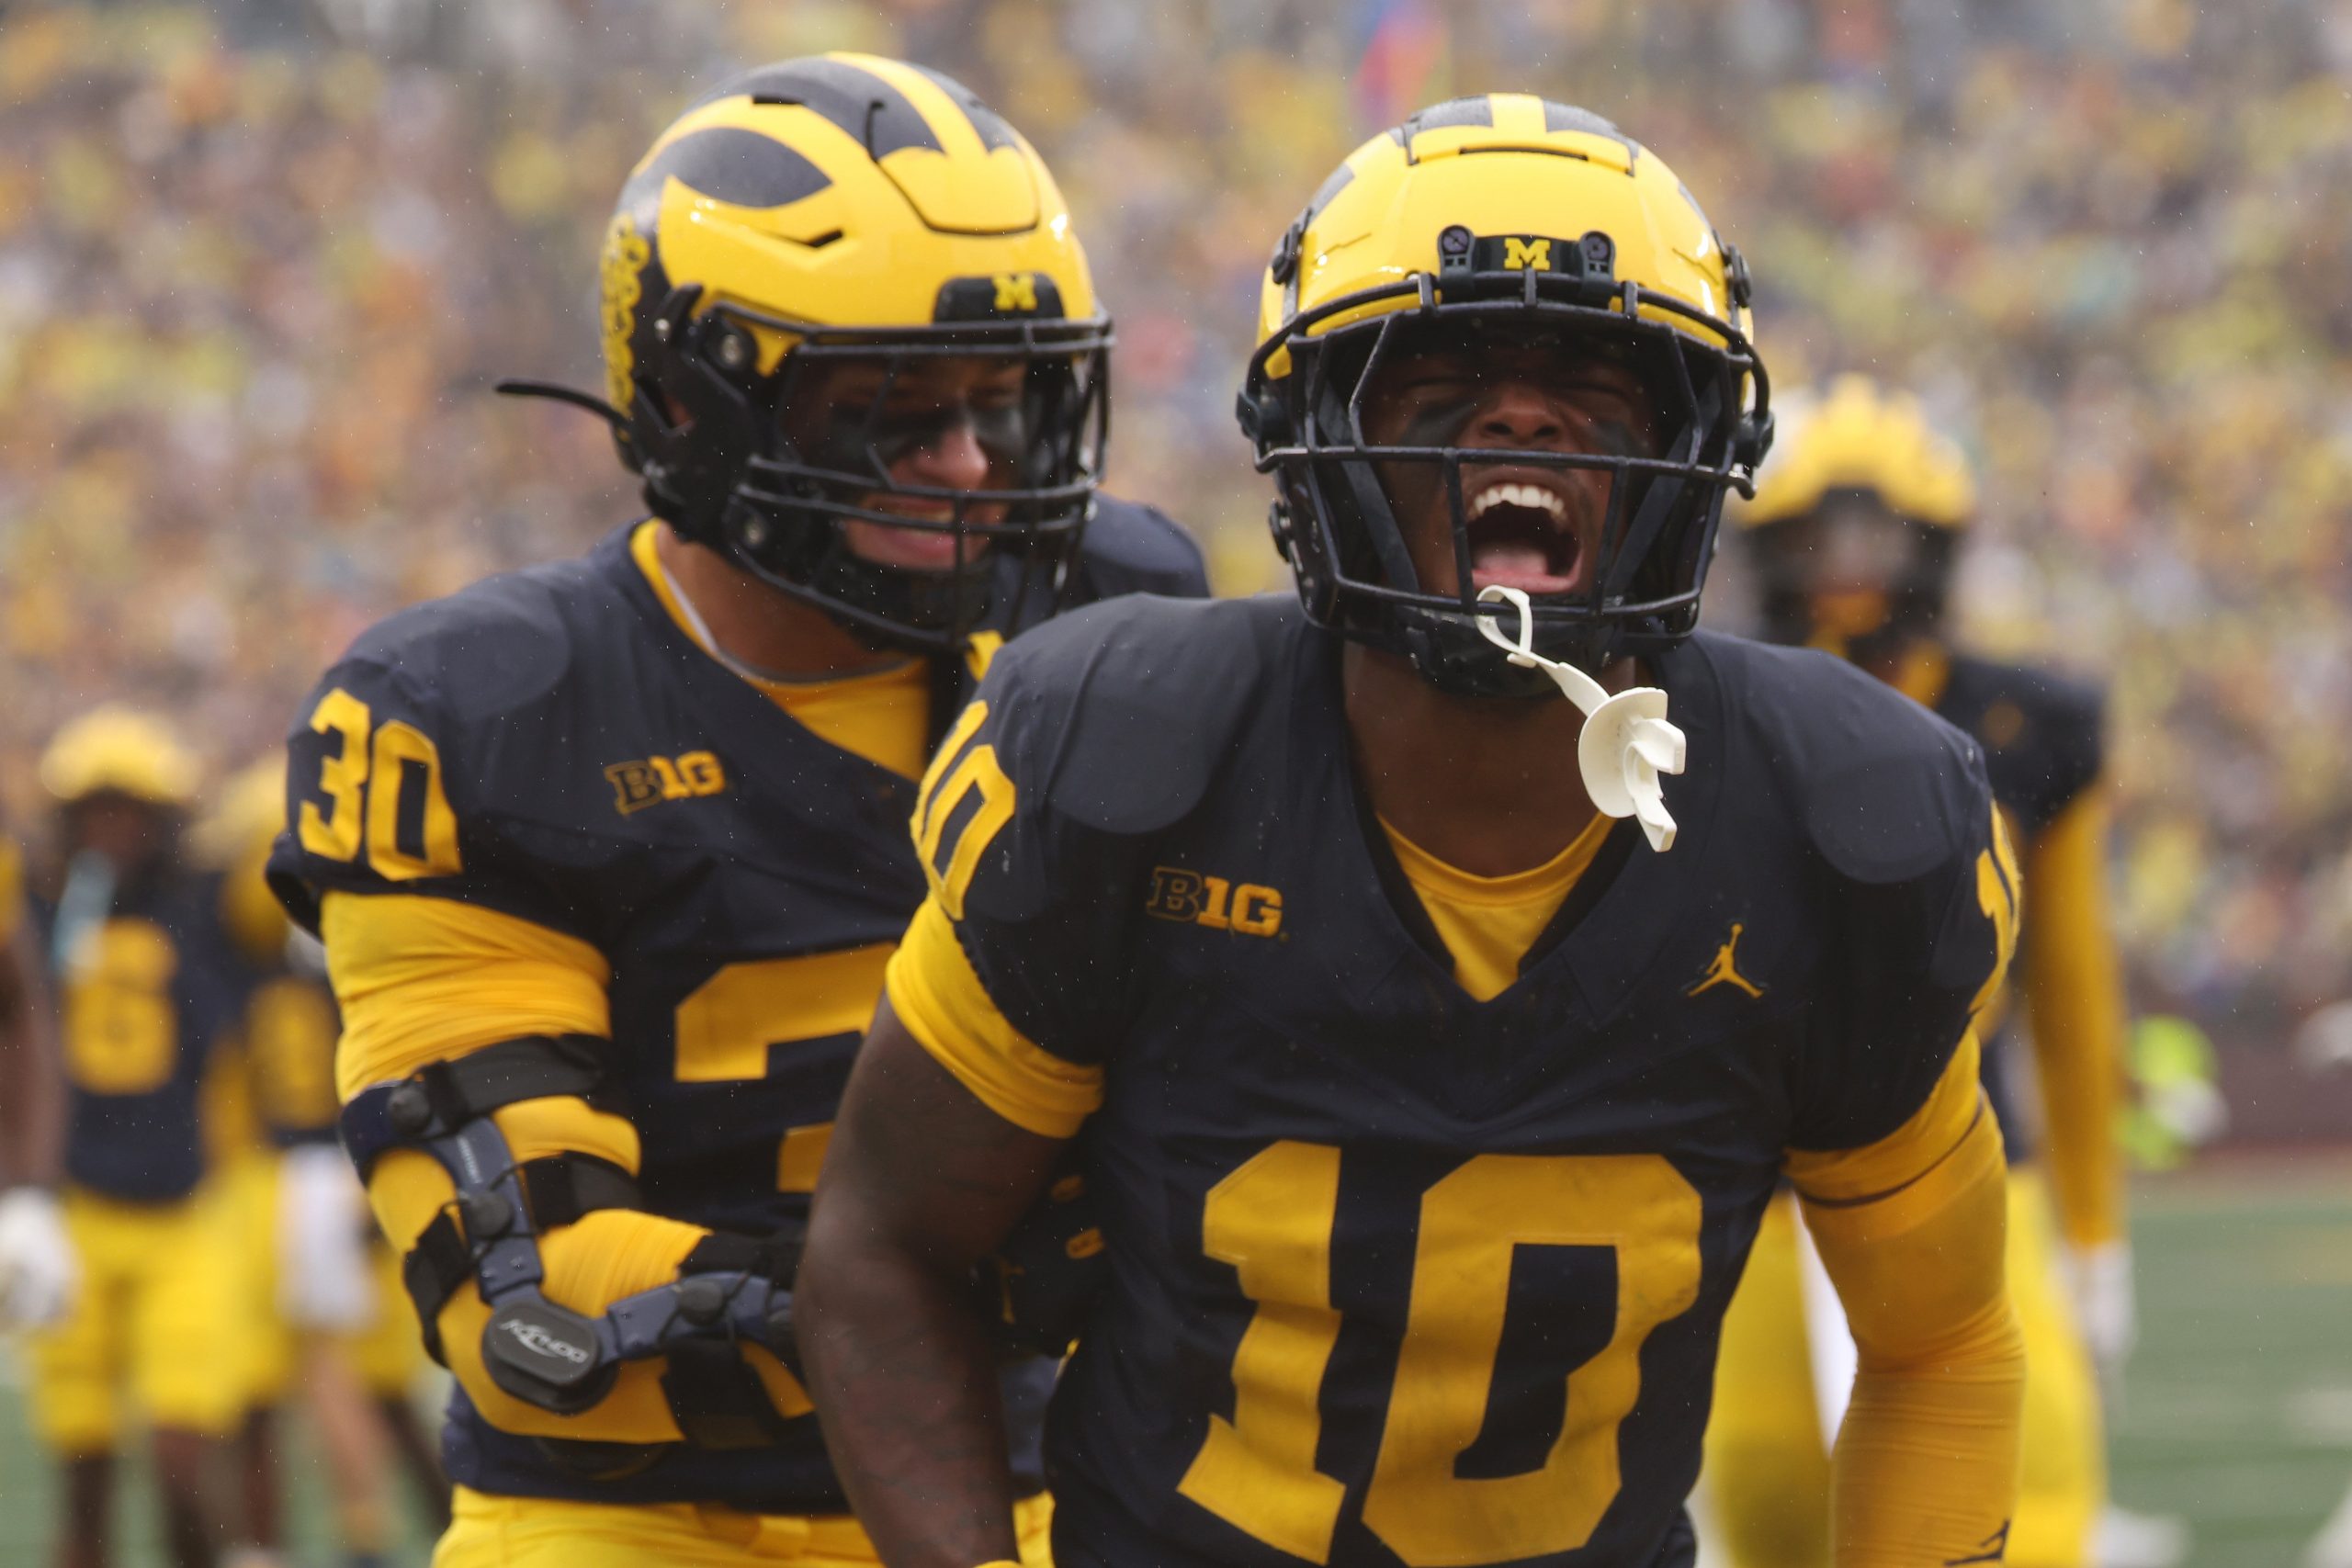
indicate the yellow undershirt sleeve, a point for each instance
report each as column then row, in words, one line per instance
column 1912, row 1231
column 424, row 979
column 2075, row 1001
column 935, row 993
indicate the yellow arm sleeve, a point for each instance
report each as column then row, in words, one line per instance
column 937, row 996
column 422, row 980
column 1912, row 1230
column 2074, row 1000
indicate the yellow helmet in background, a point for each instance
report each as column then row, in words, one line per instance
column 118, row 749
column 1503, row 218
column 848, row 207
column 247, row 813
column 1855, row 525
column 234, row 838
column 1861, row 437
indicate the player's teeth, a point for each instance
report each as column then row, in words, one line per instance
column 1518, row 495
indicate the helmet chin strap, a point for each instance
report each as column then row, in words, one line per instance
column 1626, row 742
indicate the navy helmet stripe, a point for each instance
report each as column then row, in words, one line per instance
column 991, row 126
column 872, row 111
column 727, row 164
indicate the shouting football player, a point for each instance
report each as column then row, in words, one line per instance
column 608, row 855
column 1854, row 532
column 1434, row 1056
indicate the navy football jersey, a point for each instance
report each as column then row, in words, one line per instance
column 1399, row 1276
column 145, row 994
column 552, row 745
column 2042, row 739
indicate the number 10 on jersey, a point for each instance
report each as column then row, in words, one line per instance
column 1272, row 1220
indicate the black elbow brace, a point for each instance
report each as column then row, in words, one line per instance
column 730, row 1289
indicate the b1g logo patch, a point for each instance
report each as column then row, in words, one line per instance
column 1212, row 901
column 639, row 784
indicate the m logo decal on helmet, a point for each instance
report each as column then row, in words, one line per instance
column 1520, row 254
column 1015, row 291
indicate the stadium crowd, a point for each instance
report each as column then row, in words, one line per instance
column 260, row 263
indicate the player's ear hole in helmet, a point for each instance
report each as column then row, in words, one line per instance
column 852, row 343
column 1855, row 526
column 1484, row 229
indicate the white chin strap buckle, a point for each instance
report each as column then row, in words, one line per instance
column 1627, row 742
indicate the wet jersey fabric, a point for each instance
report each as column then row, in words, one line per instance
column 144, row 997
column 1399, row 1276
column 2042, row 739
column 552, row 745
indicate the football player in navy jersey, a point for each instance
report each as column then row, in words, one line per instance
column 1435, row 1044
column 1855, row 532
column 146, row 998
column 608, row 855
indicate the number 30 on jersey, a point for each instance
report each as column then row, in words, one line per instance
column 384, row 794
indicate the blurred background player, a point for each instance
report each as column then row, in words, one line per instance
column 1853, row 535
column 145, row 994
column 321, row 1313
column 608, row 855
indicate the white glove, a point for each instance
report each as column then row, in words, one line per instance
column 323, row 1278
column 38, row 1267
column 2099, row 1281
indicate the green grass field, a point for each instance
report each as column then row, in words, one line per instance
column 2240, row 1412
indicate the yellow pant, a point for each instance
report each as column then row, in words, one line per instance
column 1767, row 1476
column 540, row 1532
column 154, row 1307
column 387, row 1355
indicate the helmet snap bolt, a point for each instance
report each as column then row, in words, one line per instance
column 409, row 1109
column 701, row 1301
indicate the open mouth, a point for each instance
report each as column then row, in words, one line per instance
column 1522, row 536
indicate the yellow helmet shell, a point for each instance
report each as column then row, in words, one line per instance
column 1861, row 436
column 120, row 750
column 1503, row 163
column 841, row 190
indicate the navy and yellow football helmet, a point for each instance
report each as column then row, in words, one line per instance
column 1503, row 220
column 851, row 209
column 1857, row 522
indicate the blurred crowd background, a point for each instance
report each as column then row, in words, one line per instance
column 260, row 261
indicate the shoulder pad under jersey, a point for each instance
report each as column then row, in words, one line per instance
column 488, row 677
column 1133, row 548
column 1888, row 792
column 1121, row 711
column 487, row 649
column 2040, row 732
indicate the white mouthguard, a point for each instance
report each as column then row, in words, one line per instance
column 1627, row 742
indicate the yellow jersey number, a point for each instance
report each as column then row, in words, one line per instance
column 371, row 775
column 1273, row 1220
column 726, row 1028
column 121, row 1030
column 291, row 1031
